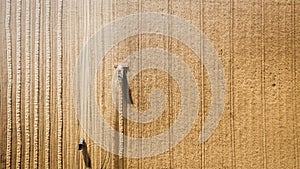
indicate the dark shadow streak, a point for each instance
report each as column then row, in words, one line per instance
column 86, row 156
column 125, row 87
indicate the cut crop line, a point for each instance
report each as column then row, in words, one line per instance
column 9, row 83
column 59, row 84
column 27, row 86
column 47, row 90
column 36, row 84
column 18, row 84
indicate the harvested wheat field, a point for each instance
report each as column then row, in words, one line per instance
column 150, row 84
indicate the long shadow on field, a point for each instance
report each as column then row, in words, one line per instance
column 86, row 156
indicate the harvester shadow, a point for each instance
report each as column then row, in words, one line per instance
column 86, row 156
column 125, row 88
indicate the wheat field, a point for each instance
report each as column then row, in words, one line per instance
column 48, row 102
